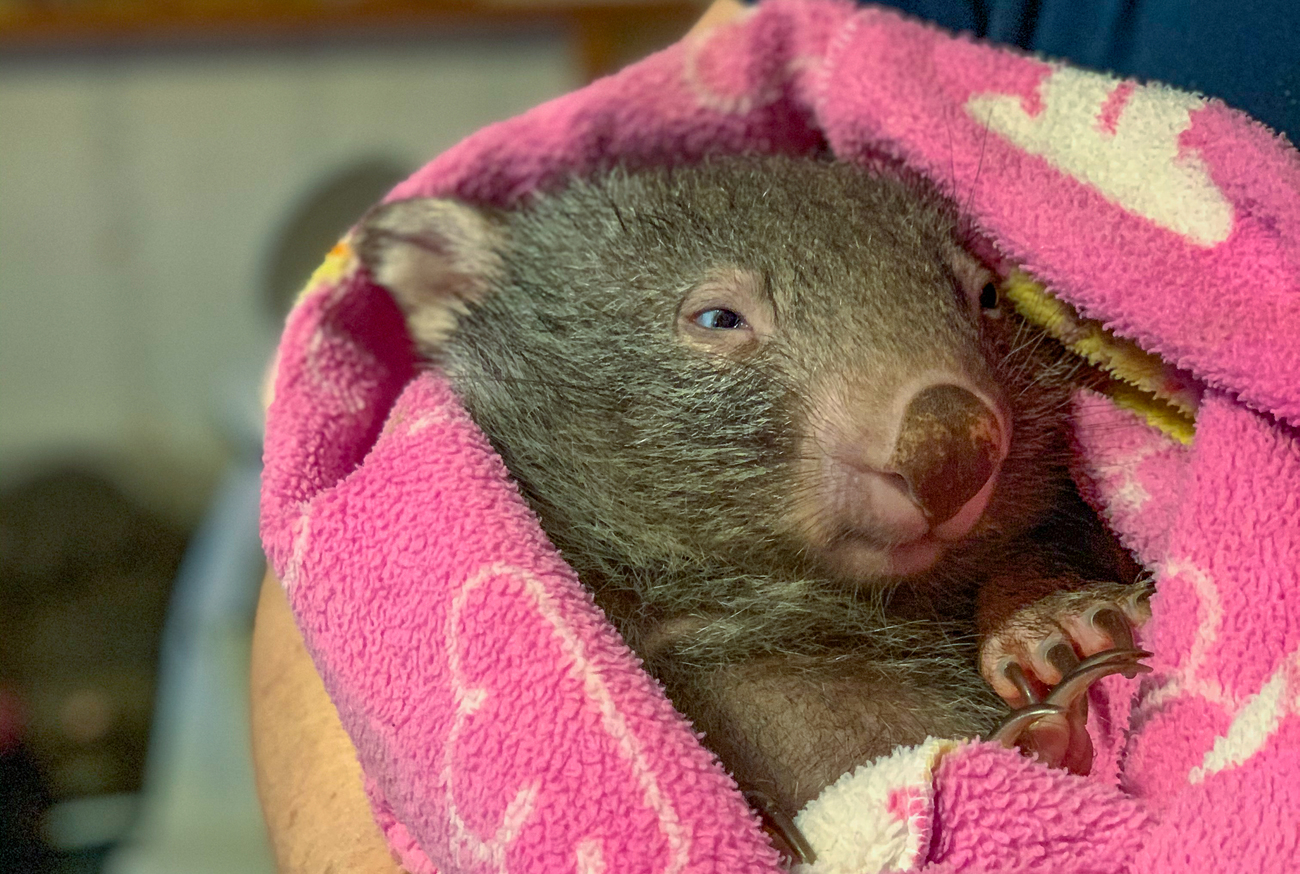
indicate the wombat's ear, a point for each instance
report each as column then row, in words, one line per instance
column 437, row 258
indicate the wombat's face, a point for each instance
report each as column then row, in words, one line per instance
column 776, row 362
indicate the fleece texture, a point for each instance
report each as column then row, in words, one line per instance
column 501, row 723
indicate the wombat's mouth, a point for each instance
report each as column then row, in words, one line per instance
column 855, row 553
column 914, row 557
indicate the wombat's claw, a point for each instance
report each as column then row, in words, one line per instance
column 1072, row 687
column 785, row 835
column 1090, row 670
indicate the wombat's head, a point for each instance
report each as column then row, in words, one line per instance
column 774, row 361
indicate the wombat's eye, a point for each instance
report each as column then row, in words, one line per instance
column 989, row 297
column 720, row 319
column 729, row 313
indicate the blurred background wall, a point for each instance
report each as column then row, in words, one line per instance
column 141, row 188
column 169, row 176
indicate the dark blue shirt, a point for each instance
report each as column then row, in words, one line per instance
column 1247, row 52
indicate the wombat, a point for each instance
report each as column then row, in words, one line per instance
column 779, row 421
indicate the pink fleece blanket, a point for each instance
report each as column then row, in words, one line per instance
column 503, row 725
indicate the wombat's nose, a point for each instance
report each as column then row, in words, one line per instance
column 950, row 444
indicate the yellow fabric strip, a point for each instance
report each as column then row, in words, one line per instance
column 1166, row 397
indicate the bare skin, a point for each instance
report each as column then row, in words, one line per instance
column 308, row 778
column 718, row 13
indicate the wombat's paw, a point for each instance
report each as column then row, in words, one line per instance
column 1045, row 657
column 1033, row 650
column 1056, row 730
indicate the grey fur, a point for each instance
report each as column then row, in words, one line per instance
column 669, row 478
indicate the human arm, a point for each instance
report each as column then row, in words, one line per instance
column 308, row 777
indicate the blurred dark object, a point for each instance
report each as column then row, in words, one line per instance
column 606, row 34
column 317, row 221
column 85, row 574
column 23, row 799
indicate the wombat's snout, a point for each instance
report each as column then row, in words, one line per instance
column 949, row 447
column 909, row 486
